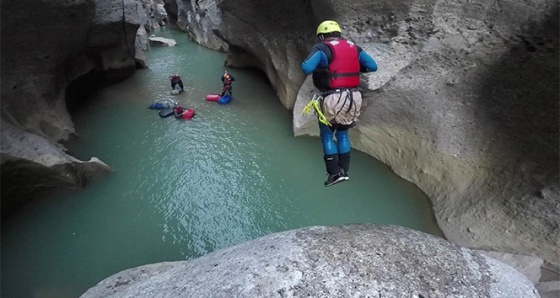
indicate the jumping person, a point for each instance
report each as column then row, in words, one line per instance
column 336, row 64
column 227, row 81
column 176, row 80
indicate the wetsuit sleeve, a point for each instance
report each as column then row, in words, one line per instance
column 367, row 64
column 316, row 58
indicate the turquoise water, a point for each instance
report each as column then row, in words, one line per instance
column 181, row 189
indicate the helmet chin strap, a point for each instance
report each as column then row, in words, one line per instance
column 321, row 37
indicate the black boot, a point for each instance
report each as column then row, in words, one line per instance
column 344, row 163
column 334, row 173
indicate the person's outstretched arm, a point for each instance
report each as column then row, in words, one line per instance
column 367, row 63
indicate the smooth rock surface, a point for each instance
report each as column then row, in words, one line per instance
column 162, row 40
column 345, row 261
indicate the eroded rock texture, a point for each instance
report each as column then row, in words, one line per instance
column 347, row 261
column 465, row 102
column 465, row 105
column 53, row 51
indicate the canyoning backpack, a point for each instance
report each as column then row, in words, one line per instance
column 342, row 106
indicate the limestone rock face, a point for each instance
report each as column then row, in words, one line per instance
column 46, row 46
column 29, row 159
column 269, row 35
column 141, row 47
column 465, row 103
column 163, row 41
column 197, row 17
column 346, row 261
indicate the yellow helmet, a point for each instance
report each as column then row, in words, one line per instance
column 328, row 27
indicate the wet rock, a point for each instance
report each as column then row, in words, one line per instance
column 162, row 40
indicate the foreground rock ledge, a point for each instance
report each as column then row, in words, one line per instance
column 345, row 261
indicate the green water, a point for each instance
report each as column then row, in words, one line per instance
column 181, row 189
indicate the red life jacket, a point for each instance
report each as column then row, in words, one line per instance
column 344, row 68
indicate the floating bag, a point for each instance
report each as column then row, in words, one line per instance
column 342, row 107
column 212, row 97
column 188, row 114
column 224, row 99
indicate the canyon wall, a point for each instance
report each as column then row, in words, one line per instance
column 464, row 105
column 54, row 54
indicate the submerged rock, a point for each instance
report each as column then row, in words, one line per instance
column 162, row 40
column 345, row 261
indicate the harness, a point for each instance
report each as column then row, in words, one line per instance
column 314, row 104
column 343, row 94
column 340, row 90
column 342, row 77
